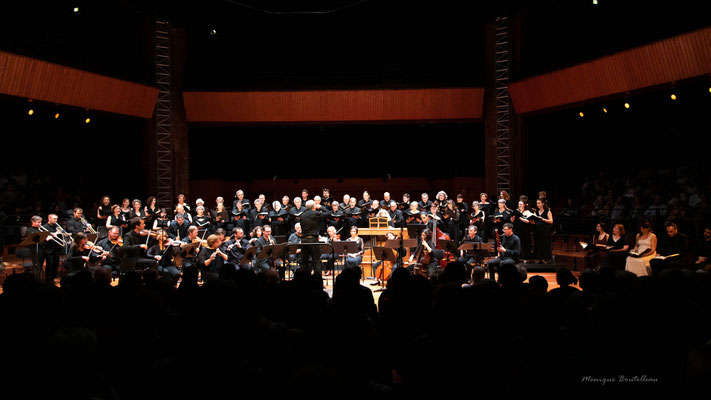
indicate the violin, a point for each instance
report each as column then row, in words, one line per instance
column 118, row 241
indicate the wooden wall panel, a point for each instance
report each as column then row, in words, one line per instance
column 40, row 80
column 335, row 105
column 681, row 57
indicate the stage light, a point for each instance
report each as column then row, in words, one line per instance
column 673, row 96
column 627, row 105
column 87, row 120
column 76, row 10
column 604, row 110
column 213, row 32
column 30, row 112
column 594, row 2
column 56, row 116
column 581, row 114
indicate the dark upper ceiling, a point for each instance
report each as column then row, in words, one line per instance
column 269, row 44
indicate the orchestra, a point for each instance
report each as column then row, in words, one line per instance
column 176, row 239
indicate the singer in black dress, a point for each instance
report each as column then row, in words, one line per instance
column 542, row 233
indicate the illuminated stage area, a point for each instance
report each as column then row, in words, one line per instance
column 354, row 199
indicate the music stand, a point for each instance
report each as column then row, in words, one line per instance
column 448, row 245
column 414, row 230
column 248, row 255
column 342, row 248
column 34, row 239
column 383, row 254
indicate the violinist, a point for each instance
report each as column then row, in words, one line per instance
column 395, row 215
column 335, row 217
column 333, row 236
column 81, row 254
column 135, row 246
column 236, row 247
column 278, row 219
column 111, row 245
column 211, row 259
column 190, row 256
column 178, row 228
column 116, row 219
column 412, row 215
column 164, row 253
column 422, row 260
column 508, row 249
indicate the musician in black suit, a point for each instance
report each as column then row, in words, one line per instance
column 469, row 257
column 236, row 247
column 509, row 250
column 265, row 264
column 311, row 222
column 135, row 246
column 53, row 249
column 36, row 251
column 75, row 224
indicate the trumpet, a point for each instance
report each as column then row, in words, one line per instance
column 55, row 238
column 88, row 226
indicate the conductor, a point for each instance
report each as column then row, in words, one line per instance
column 311, row 222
